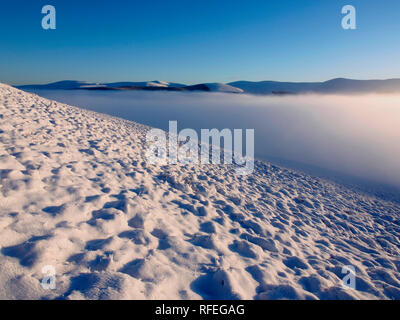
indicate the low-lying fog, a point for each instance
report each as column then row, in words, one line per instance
column 355, row 136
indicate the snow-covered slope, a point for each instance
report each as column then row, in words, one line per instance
column 77, row 194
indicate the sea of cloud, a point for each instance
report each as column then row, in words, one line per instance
column 351, row 135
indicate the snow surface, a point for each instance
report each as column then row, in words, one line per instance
column 78, row 194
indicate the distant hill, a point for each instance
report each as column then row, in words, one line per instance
column 220, row 87
column 74, row 84
column 60, row 85
column 155, row 85
column 339, row 85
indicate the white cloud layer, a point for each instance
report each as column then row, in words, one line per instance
column 357, row 136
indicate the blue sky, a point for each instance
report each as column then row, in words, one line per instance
column 198, row 41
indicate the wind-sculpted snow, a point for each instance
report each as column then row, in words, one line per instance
column 78, row 195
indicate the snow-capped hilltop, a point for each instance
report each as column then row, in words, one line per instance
column 155, row 83
column 220, row 87
column 78, row 195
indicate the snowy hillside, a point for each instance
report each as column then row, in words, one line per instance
column 78, row 194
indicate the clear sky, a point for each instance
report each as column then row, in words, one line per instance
column 192, row 41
